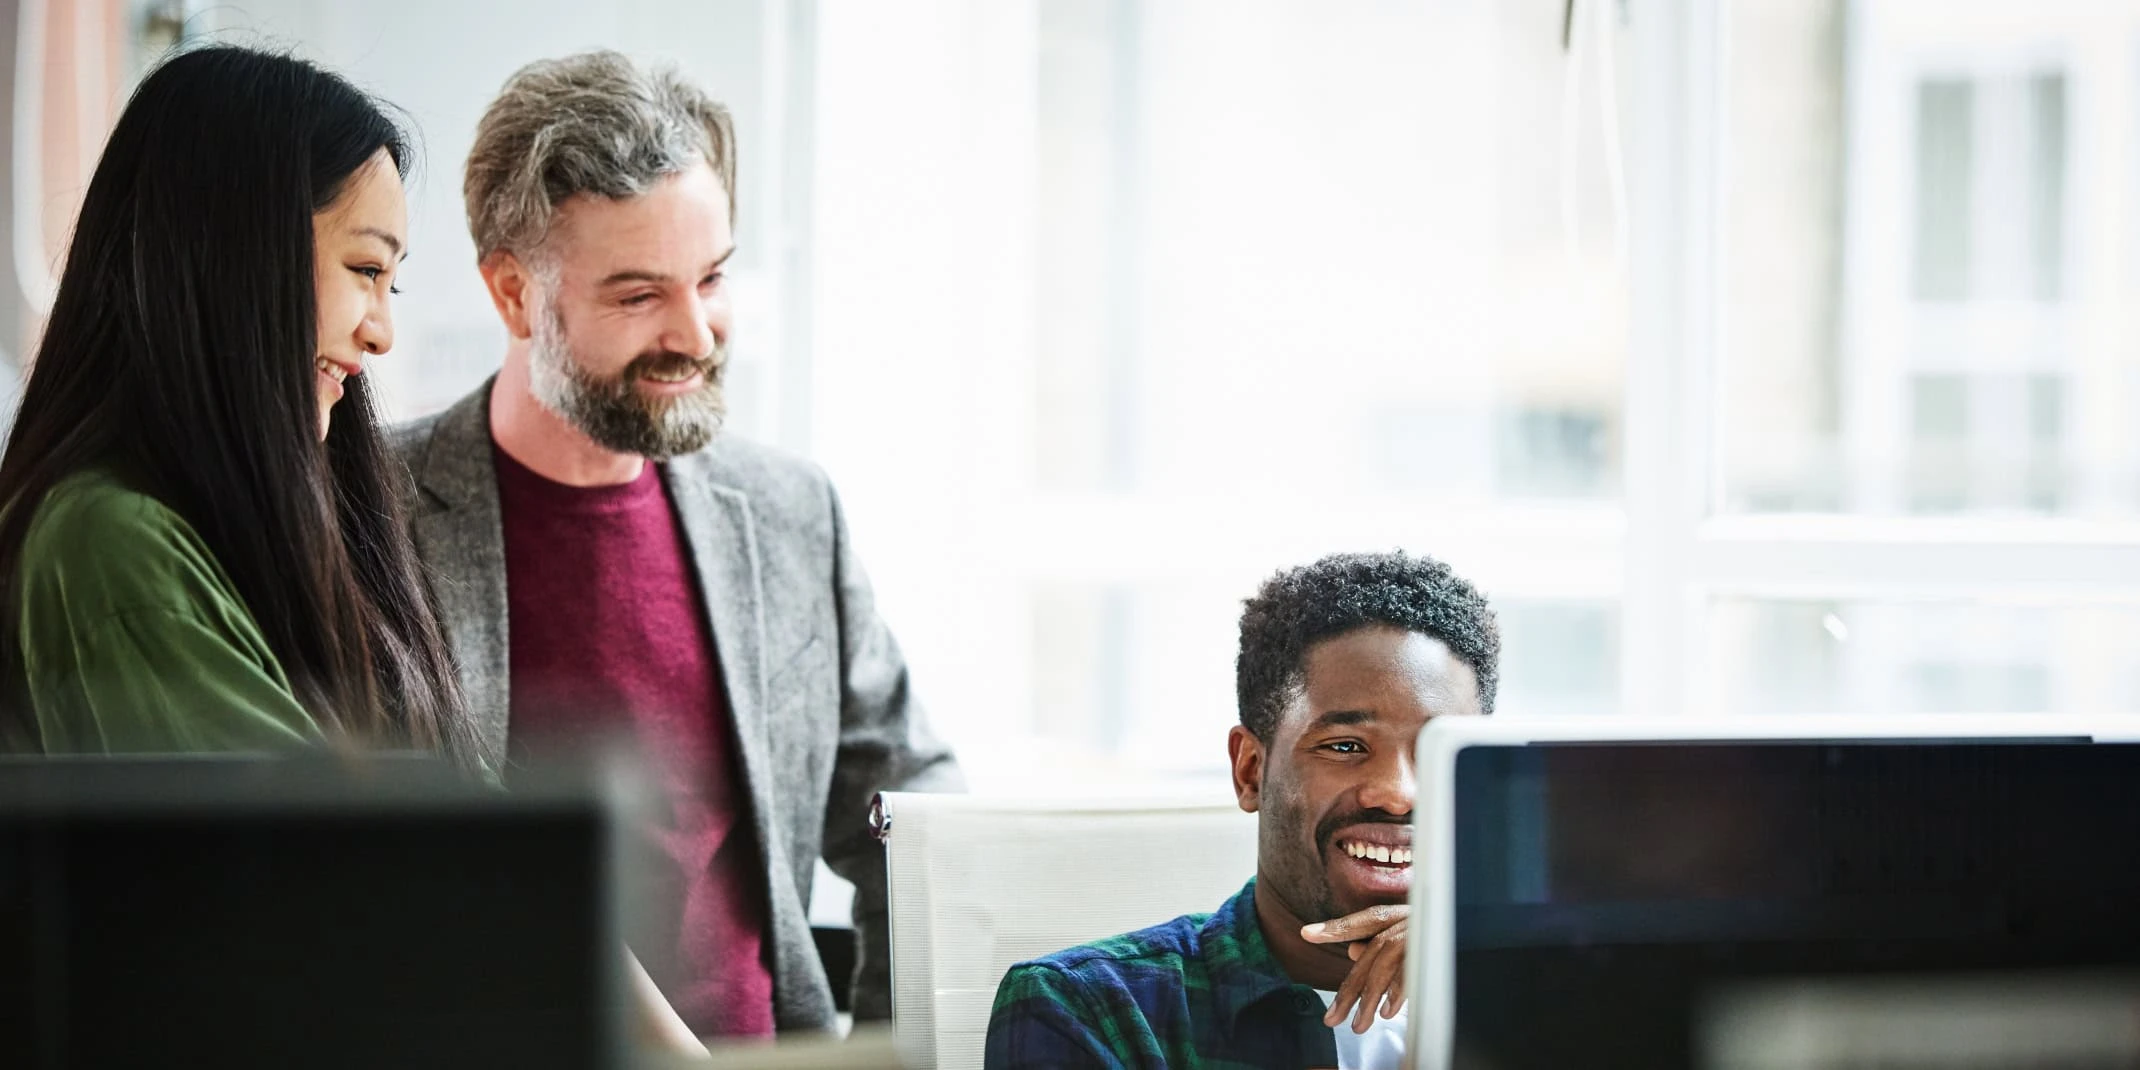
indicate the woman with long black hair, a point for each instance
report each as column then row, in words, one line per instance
column 199, row 543
column 200, row 547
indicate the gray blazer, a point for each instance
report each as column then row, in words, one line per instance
column 816, row 685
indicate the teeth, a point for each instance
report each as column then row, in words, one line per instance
column 1396, row 856
column 333, row 371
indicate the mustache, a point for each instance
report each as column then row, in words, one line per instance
column 671, row 364
column 1327, row 829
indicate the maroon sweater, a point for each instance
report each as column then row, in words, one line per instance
column 609, row 640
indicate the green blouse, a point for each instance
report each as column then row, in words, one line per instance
column 132, row 638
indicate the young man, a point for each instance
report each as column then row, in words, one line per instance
column 693, row 595
column 1342, row 663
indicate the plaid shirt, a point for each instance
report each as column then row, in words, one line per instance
column 1202, row 990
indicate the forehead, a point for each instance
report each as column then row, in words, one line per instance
column 372, row 197
column 681, row 222
column 1399, row 676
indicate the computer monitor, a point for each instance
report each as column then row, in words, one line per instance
column 1689, row 895
column 315, row 912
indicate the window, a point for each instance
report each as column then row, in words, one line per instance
column 1923, row 370
column 1188, row 292
column 1761, row 356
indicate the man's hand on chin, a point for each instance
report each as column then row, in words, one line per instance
column 1377, row 937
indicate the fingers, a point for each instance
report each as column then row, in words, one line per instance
column 1385, row 972
column 1358, row 925
column 1348, row 994
column 1375, row 982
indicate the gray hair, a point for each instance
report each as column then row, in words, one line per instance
column 591, row 123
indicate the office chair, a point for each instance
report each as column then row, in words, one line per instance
column 978, row 884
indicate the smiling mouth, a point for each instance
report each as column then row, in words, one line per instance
column 331, row 370
column 1377, row 854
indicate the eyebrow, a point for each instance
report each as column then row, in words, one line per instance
column 391, row 241
column 643, row 275
column 1342, row 718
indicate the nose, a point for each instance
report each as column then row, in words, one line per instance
column 1390, row 786
column 376, row 333
column 700, row 324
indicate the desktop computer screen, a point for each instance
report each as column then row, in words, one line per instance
column 1726, row 903
column 301, row 912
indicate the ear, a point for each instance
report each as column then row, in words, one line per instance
column 511, row 285
column 1248, row 756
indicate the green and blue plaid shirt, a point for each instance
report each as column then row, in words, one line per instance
column 1203, row 990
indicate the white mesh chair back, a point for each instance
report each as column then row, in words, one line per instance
column 978, row 884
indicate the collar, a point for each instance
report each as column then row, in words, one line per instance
column 1244, row 971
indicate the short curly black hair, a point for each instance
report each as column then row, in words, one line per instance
column 1297, row 608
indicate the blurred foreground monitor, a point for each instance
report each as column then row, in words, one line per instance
column 305, row 912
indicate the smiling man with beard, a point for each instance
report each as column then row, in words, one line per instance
column 1341, row 664
column 611, row 569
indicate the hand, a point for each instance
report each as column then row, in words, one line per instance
column 655, row 1024
column 1377, row 937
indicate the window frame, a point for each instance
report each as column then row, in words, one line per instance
column 1683, row 550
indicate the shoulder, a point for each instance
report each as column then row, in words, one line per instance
column 444, row 458
column 407, row 440
column 758, row 469
column 91, row 516
column 105, row 547
column 458, row 429
column 1137, row 961
column 789, row 496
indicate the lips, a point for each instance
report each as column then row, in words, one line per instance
column 1372, row 861
column 335, row 370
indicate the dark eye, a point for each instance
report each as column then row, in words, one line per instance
column 637, row 300
column 370, row 273
column 712, row 280
column 1346, row 746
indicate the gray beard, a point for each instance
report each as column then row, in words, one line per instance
column 612, row 412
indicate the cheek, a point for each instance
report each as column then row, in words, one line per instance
column 1286, row 796
column 340, row 313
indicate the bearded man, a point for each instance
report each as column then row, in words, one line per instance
column 610, row 568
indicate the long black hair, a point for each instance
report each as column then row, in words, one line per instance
column 179, row 355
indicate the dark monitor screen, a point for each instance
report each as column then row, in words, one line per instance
column 232, row 913
column 1612, row 900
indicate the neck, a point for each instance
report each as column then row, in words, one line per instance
column 1321, row 966
column 544, row 442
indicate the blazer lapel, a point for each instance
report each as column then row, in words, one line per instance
column 724, row 550
column 461, row 540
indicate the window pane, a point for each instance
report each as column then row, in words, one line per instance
column 1872, row 657
column 1923, row 290
column 1941, row 262
column 1559, row 658
column 1314, row 245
